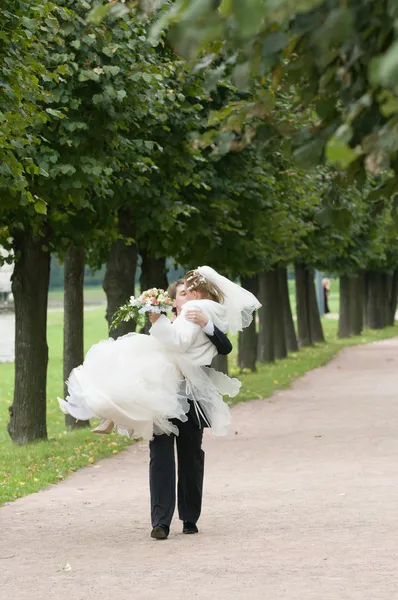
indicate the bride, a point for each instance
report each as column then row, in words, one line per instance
column 140, row 383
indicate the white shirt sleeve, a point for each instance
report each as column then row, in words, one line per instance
column 179, row 335
column 208, row 329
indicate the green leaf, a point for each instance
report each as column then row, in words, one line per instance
column 67, row 169
column 109, row 50
column 275, row 42
column 55, row 113
column 29, row 23
column 98, row 13
column 118, row 10
column 336, row 29
column 384, row 69
column 241, row 74
column 339, row 153
column 32, row 169
column 250, row 15
column 325, row 108
column 40, row 207
column 309, row 155
column 86, row 75
column 112, row 70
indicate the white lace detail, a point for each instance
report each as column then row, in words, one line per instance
column 206, row 387
column 240, row 304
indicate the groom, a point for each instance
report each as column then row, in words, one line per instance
column 162, row 469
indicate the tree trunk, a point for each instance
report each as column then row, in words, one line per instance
column 266, row 350
column 284, row 299
column 356, row 303
column 247, row 344
column 393, row 297
column 73, row 320
column 303, row 321
column 374, row 318
column 153, row 274
column 119, row 280
column 308, row 318
column 384, row 298
column 345, row 307
column 279, row 321
column 220, row 363
column 366, row 299
column 30, row 288
column 316, row 331
column 351, row 305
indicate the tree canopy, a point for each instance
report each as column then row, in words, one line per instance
column 341, row 58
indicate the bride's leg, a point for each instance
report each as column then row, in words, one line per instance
column 106, row 426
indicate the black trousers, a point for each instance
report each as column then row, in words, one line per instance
column 162, row 474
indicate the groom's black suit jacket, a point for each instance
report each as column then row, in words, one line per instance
column 224, row 347
column 221, row 342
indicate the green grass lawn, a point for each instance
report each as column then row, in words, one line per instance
column 28, row 469
column 92, row 295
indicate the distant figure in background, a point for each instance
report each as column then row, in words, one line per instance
column 326, row 292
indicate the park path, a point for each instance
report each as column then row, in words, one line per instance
column 301, row 502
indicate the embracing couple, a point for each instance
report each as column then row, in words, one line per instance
column 160, row 387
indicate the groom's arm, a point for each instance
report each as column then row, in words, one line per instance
column 218, row 338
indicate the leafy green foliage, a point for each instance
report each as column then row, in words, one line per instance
column 113, row 132
column 21, row 91
column 342, row 57
column 114, row 122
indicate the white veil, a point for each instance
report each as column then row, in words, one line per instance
column 240, row 303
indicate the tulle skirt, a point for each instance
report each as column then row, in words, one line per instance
column 142, row 387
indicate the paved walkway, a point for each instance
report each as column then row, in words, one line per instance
column 301, row 502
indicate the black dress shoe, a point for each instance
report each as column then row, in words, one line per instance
column 160, row 532
column 190, row 527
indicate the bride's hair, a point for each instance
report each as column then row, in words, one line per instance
column 196, row 282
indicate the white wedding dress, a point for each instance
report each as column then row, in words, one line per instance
column 142, row 382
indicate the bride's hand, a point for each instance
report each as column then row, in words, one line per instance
column 196, row 316
column 153, row 317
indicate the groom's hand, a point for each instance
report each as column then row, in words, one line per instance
column 196, row 316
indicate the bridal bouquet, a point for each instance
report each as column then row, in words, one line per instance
column 153, row 300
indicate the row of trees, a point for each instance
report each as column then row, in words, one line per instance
column 343, row 71
column 114, row 150
column 96, row 277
